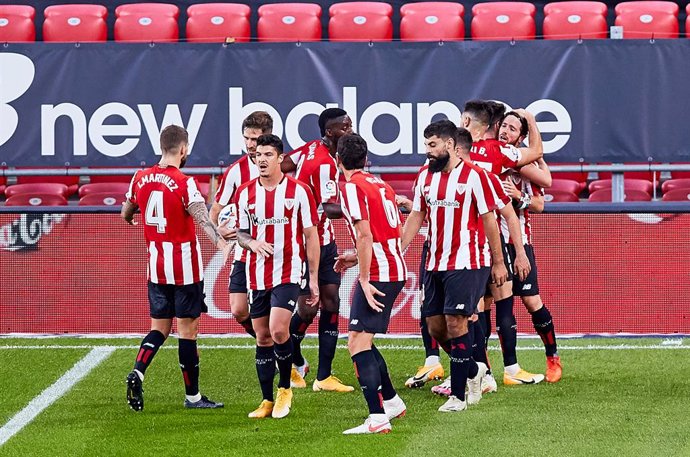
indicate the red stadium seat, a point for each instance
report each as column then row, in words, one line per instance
column 678, row 183
column 677, row 195
column 574, row 26
column 214, row 22
column 102, row 199
column 560, row 196
column 503, row 21
column 432, row 21
column 565, row 185
column 145, row 22
column 289, row 22
column 75, row 23
column 72, row 182
column 17, row 23
column 579, row 176
column 651, row 176
column 680, row 174
column 37, row 188
column 648, row 19
column 576, row 7
column 631, row 195
column 402, row 187
column 101, row 187
column 36, row 200
column 641, row 185
column 360, row 21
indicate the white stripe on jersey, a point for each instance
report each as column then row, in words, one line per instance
column 353, row 202
column 193, row 192
column 199, row 259
column 187, row 272
column 279, row 234
column 153, row 260
column 168, row 267
column 260, row 212
column 395, row 248
column 380, row 255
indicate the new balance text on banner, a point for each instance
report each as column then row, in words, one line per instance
column 105, row 104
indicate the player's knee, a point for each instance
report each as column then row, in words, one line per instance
column 307, row 313
column 533, row 303
column 263, row 337
column 241, row 315
column 280, row 335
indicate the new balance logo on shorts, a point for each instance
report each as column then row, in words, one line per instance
column 527, row 287
column 354, row 321
column 460, row 306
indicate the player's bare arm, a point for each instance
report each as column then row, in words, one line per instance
column 214, row 212
column 364, row 244
column 200, row 214
column 538, row 173
column 499, row 274
column 535, row 151
column 127, row 212
column 287, row 165
column 332, row 210
column 311, row 236
column 412, row 226
column 521, row 263
column 260, row 247
column 403, row 203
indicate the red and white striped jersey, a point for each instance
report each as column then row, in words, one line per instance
column 525, row 186
column 279, row 217
column 495, row 156
column 368, row 198
column 164, row 194
column 454, row 202
column 317, row 169
column 240, row 172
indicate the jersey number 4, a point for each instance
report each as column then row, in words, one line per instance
column 154, row 211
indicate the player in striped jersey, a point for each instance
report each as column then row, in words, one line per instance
column 315, row 166
column 382, row 275
column 454, row 196
column 529, row 198
column 276, row 217
column 243, row 170
column 171, row 202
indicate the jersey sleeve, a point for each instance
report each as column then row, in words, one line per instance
column 193, row 193
column 227, row 187
column 327, row 179
column 418, row 201
column 131, row 195
column 355, row 201
column 510, row 156
column 240, row 204
column 307, row 207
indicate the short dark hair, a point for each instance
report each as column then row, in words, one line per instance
column 463, row 138
column 269, row 139
column 327, row 115
column 352, row 150
column 172, row 137
column 258, row 120
column 524, row 127
column 496, row 110
column 443, row 129
column 479, row 110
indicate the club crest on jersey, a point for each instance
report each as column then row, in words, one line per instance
column 461, row 188
column 289, row 203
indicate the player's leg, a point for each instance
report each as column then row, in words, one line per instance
column 259, row 310
column 239, row 305
column 161, row 310
column 189, row 305
column 299, row 323
column 283, row 299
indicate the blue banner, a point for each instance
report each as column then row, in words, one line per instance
column 105, row 104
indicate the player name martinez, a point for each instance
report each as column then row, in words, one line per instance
column 270, row 221
column 159, row 177
column 444, row 203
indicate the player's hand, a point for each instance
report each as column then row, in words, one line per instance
column 261, row 247
column 369, row 292
column 521, row 266
column 226, row 247
column 403, row 202
column 313, row 299
column 345, row 261
column 510, row 189
column 227, row 232
column 131, row 221
column 499, row 273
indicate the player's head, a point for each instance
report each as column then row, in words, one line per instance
column 334, row 123
column 496, row 111
column 476, row 117
column 256, row 124
column 352, row 152
column 439, row 141
column 513, row 128
column 269, row 155
column 175, row 143
column 463, row 143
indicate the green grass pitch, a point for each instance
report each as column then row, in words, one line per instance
column 618, row 397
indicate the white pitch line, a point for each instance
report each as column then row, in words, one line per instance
column 54, row 392
column 591, row 347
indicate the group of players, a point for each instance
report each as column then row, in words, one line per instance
column 286, row 266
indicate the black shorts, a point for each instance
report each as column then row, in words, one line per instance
column 262, row 301
column 363, row 318
column 454, row 292
column 327, row 275
column 168, row 300
column 238, row 278
column 507, row 260
column 529, row 287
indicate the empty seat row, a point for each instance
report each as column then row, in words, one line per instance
column 348, row 21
